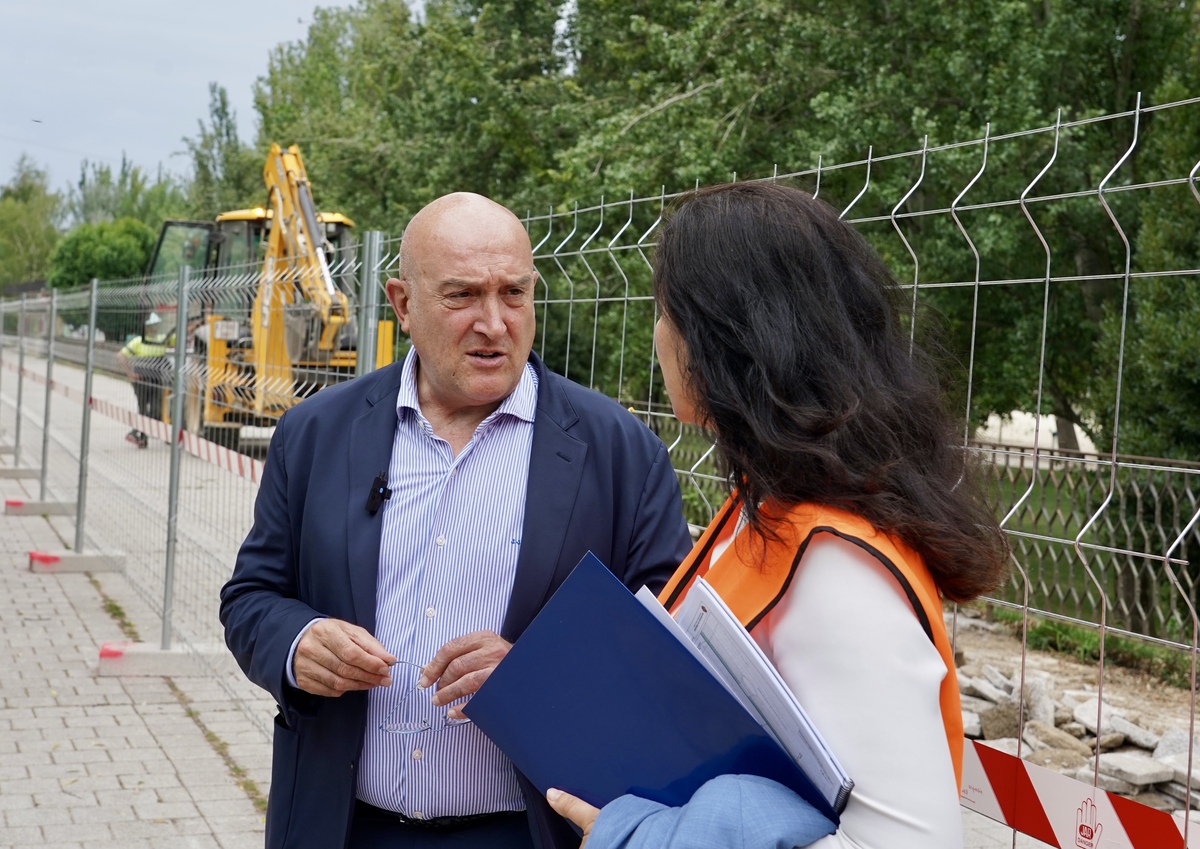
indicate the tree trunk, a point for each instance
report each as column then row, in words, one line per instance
column 1067, row 439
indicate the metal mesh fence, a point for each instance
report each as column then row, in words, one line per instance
column 1003, row 245
column 251, row 348
column 1018, row 253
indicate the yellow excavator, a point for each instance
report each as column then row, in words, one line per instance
column 271, row 332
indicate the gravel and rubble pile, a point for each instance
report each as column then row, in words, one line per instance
column 1072, row 727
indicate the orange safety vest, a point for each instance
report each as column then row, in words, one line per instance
column 752, row 587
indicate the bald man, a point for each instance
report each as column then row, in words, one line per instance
column 409, row 525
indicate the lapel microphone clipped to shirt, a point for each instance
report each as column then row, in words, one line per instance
column 379, row 493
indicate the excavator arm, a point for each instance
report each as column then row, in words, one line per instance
column 300, row 324
column 296, row 247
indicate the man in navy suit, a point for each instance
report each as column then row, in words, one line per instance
column 409, row 525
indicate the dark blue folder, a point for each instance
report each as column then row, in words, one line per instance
column 599, row 699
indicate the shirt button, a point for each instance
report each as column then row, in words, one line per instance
column 416, row 757
column 430, row 612
column 441, row 540
column 418, row 815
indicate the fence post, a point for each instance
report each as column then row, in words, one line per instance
column 20, row 381
column 368, row 302
column 49, row 395
column 176, row 431
column 6, row 448
column 85, row 432
column 3, row 316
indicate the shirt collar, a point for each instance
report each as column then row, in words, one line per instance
column 521, row 403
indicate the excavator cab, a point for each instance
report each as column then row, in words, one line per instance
column 242, row 236
column 277, row 321
column 236, row 239
column 181, row 243
column 236, row 243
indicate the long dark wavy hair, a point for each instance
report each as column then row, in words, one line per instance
column 798, row 362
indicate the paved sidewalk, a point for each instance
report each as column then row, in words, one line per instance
column 132, row 763
column 122, row 763
column 104, row 763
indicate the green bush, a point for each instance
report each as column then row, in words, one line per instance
column 111, row 250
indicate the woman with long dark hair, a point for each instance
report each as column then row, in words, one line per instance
column 853, row 510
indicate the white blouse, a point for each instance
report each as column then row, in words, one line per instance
column 845, row 638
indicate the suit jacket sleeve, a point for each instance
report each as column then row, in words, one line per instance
column 260, row 608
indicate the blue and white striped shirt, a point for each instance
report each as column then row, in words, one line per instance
column 450, row 539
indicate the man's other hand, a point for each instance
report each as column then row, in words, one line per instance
column 335, row 657
column 461, row 666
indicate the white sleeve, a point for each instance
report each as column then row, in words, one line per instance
column 291, row 658
column 846, row 640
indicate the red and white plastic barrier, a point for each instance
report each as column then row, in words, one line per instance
column 65, row 391
column 233, row 462
column 1061, row 811
column 220, row 456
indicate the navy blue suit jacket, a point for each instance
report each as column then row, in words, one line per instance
column 599, row 480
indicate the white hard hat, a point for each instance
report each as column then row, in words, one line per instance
column 153, row 319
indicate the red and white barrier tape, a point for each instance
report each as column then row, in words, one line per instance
column 1061, row 811
column 220, row 456
column 65, row 391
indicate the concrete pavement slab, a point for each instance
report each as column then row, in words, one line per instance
column 92, row 761
column 130, row 763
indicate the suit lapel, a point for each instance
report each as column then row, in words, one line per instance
column 369, row 452
column 555, row 470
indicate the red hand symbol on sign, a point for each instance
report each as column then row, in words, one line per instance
column 1087, row 831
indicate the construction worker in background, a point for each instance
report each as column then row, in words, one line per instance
column 144, row 359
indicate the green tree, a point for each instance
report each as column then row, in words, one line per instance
column 542, row 105
column 703, row 91
column 1159, row 337
column 29, row 218
column 391, row 112
column 104, row 195
column 110, row 250
column 1161, row 372
column 226, row 174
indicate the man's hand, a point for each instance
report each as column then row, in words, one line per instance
column 123, row 359
column 461, row 666
column 334, row 657
column 574, row 809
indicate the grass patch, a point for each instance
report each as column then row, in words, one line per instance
column 221, row 748
column 1050, row 635
column 115, row 611
column 66, row 545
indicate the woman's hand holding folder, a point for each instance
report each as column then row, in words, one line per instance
column 574, row 809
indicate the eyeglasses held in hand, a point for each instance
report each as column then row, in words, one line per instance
column 413, row 711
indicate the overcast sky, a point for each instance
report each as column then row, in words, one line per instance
column 90, row 79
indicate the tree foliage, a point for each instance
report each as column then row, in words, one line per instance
column 29, row 217
column 541, row 104
column 544, row 104
column 110, row 250
column 1160, row 334
column 391, row 111
column 226, row 173
column 103, row 194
